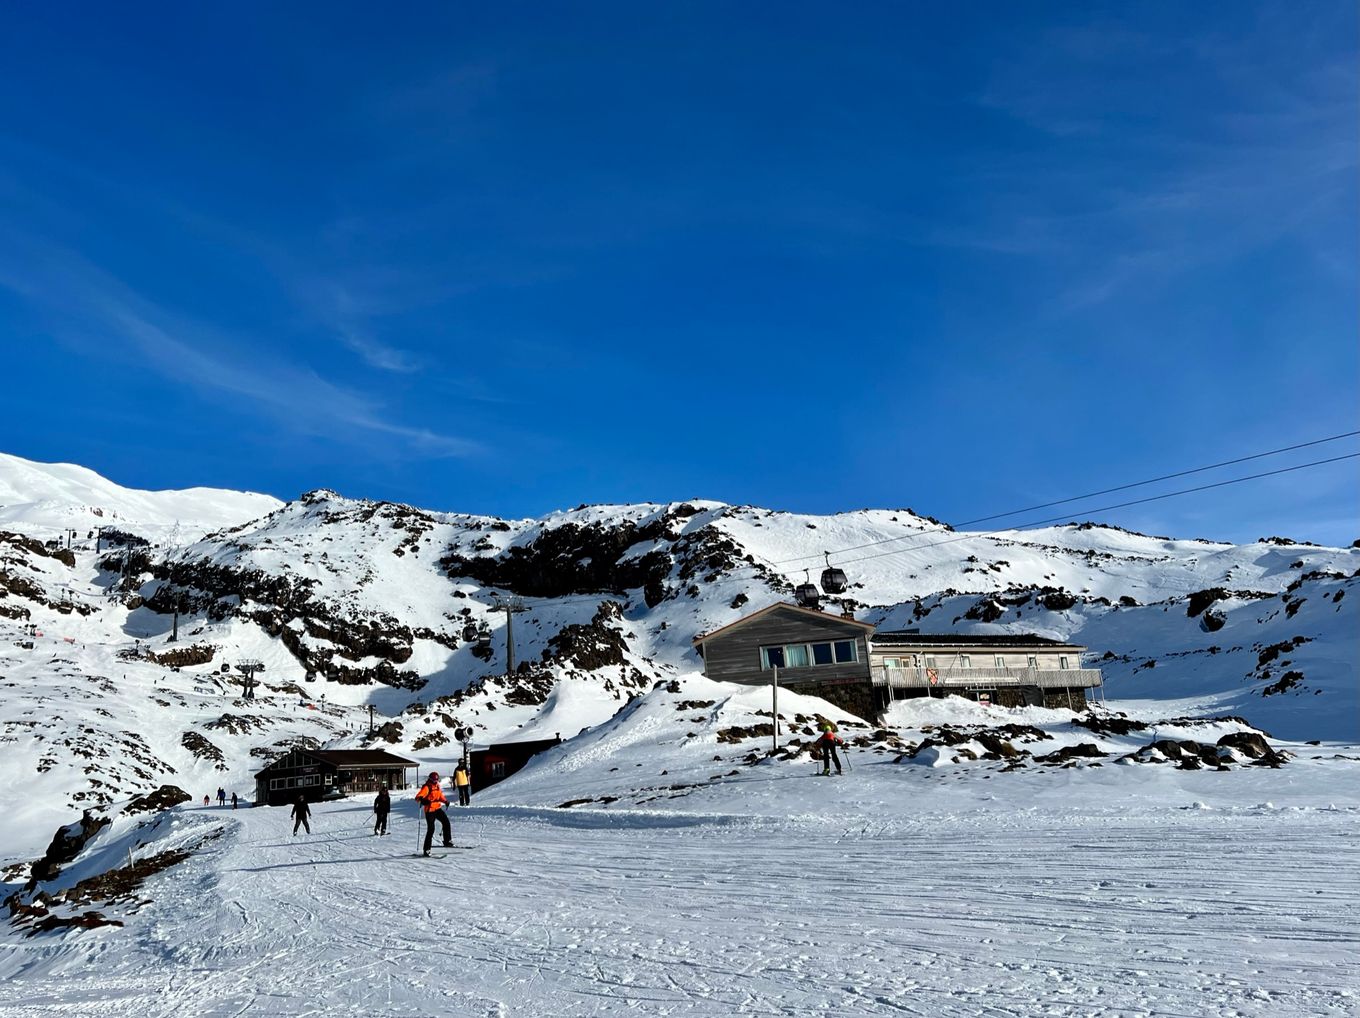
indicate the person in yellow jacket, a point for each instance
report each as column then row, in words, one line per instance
column 462, row 780
column 431, row 799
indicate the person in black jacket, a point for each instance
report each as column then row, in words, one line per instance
column 382, row 805
column 300, row 814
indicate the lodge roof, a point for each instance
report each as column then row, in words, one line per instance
column 899, row 639
column 348, row 759
column 361, row 758
column 810, row 612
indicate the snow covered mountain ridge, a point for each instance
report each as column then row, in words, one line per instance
column 352, row 603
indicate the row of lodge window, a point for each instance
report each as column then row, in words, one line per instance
column 303, row 781
column 808, row 655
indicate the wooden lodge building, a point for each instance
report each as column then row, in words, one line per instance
column 317, row 773
column 862, row 671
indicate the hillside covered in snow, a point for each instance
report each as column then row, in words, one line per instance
column 351, row 604
column 1039, row 841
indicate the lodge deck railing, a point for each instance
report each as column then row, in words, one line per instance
column 985, row 678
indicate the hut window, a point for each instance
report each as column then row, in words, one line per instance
column 965, row 661
column 1062, row 662
column 999, row 661
column 822, row 654
column 498, row 768
column 797, row 655
column 845, row 650
column 772, row 657
column 1032, row 661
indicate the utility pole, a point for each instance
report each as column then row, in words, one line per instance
column 774, row 704
column 174, row 591
column 511, row 606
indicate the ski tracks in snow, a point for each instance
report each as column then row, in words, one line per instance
column 1190, row 914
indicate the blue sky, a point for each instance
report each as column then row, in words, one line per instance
column 514, row 258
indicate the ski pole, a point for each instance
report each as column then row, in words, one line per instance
column 418, row 819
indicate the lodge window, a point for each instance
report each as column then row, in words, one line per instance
column 1062, row 662
column 805, row 655
column 965, row 661
column 999, row 661
column 1032, row 661
column 498, row 768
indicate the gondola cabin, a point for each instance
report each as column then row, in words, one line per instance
column 316, row 774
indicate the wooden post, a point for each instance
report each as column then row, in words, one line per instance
column 774, row 704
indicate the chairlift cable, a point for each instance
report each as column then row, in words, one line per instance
column 1093, row 494
column 1109, row 508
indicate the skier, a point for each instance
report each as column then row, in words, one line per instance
column 463, row 781
column 300, row 814
column 828, row 742
column 431, row 797
column 382, row 805
column 221, row 797
column 206, row 800
column 233, row 800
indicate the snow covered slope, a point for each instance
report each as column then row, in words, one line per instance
column 47, row 497
column 632, row 873
column 352, row 604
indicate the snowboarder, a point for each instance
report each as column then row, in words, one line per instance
column 463, row 782
column 233, row 800
column 431, row 797
column 827, row 744
column 221, row 797
column 382, row 805
column 300, row 814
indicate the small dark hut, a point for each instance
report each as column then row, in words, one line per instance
column 498, row 762
column 318, row 773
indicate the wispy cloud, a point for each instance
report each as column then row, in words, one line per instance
column 85, row 301
column 1131, row 185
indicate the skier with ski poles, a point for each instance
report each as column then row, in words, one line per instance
column 431, row 799
column 827, row 744
column 382, row 805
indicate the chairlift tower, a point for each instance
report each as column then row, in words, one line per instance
column 512, row 606
column 248, row 669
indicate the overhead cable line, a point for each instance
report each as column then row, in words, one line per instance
column 1093, row 494
column 1108, row 508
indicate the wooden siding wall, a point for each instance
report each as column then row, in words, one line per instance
column 735, row 656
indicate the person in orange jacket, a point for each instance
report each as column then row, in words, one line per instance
column 431, row 799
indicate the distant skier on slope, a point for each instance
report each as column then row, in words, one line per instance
column 234, row 800
column 463, row 781
column 221, row 797
column 431, row 797
column 827, row 744
column 301, row 812
column 382, row 805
